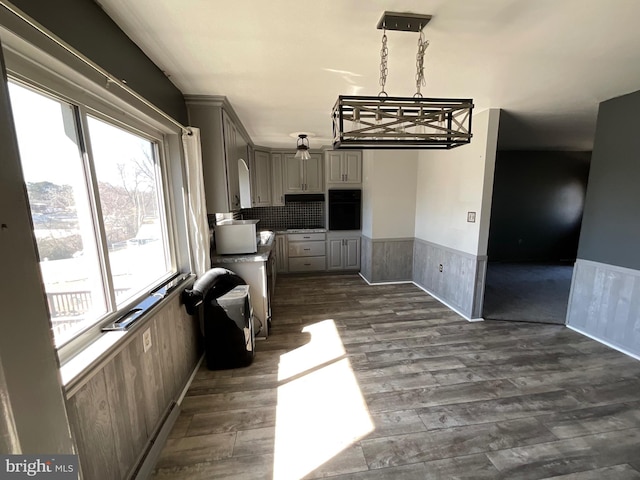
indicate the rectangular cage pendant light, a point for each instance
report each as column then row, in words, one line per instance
column 389, row 122
column 401, row 122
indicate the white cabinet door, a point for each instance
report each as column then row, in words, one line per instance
column 313, row 174
column 277, row 189
column 261, row 179
column 293, row 174
column 335, row 173
column 344, row 253
column 351, row 254
column 303, row 176
column 352, row 167
column 344, row 167
column 334, row 262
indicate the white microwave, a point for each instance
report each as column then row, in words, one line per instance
column 236, row 236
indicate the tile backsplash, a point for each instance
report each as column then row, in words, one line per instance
column 291, row 215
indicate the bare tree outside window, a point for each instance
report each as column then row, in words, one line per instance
column 131, row 206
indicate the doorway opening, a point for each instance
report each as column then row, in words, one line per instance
column 536, row 214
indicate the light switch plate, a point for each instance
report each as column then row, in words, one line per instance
column 471, row 217
column 146, row 340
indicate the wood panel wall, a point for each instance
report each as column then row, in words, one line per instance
column 387, row 259
column 115, row 415
column 605, row 304
column 460, row 284
column 459, row 280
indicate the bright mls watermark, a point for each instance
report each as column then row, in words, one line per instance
column 50, row 467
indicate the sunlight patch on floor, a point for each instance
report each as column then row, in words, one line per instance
column 320, row 409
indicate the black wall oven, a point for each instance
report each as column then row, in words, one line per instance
column 345, row 208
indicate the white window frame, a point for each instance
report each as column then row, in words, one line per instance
column 32, row 67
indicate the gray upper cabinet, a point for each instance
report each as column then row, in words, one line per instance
column 303, row 176
column 344, row 167
column 277, row 185
column 224, row 155
column 261, row 179
column 232, row 153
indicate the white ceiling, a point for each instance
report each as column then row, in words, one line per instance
column 283, row 63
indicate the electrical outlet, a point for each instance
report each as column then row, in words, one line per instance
column 146, row 340
column 440, row 268
column 471, row 217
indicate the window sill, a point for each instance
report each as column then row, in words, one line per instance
column 79, row 369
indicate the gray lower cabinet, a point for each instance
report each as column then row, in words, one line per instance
column 343, row 253
column 306, row 252
column 282, row 256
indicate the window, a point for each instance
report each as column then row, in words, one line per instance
column 98, row 209
column 132, row 212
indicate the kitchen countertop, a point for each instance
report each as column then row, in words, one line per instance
column 262, row 255
column 302, row 230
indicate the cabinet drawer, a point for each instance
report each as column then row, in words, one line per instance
column 306, row 249
column 307, row 264
column 305, row 237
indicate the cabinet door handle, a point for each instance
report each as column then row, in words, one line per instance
column 282, row 198
column 306, row 249
column 306, row 237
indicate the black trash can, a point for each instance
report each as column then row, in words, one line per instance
column 221, row 298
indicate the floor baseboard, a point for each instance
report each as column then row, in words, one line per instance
column 604, row 342
column 467, row 318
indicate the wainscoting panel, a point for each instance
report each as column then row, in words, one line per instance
column 457, row 278
column 115, row 414
column 387, row 259
column 604, row 303
column 366, row 251
column 478, row 295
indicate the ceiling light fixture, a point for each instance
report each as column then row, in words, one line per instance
column 401, row 122
column 302, row 149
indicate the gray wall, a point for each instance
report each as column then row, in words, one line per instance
column 605, row 293
column 538, row 200
column 611, row 224
column 87, row 28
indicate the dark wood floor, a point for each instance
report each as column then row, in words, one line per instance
column 387, row 383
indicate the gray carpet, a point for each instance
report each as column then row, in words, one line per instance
column 527, row 292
